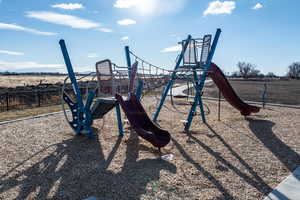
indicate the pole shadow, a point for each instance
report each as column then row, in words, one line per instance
column 225, row 193
column 262, row 129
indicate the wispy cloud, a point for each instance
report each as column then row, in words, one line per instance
column 148, row 7
column 62, row 19
column 257, row 6
column 126, row 22
column 13, row 53
column 125, row 3
column 68, row 6
column 124, row 38
column 106, row 30
column 93, row 55
column 171, row 49
column 14, row 66
column 219, row 7
column 16, row 27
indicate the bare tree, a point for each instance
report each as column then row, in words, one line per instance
column 294, row 70
column 271, row 75
column 247, row 70
column 254, row 73
column 235, row 74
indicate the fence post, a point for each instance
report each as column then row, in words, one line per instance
column 39, row 99
column 7, row 102
column 264, row 95
column 219, row 106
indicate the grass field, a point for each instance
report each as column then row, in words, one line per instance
column 23, row 80
column 30, row 112
column 278, row 91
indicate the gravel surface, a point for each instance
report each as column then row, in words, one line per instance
column 234, row 158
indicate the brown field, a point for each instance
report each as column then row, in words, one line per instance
column 234, row 158
column 24, row 80
column 278, row 91
column 29, row 112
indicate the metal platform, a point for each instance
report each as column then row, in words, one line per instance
column 101, row 106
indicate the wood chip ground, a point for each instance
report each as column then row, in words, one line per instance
column 234, row 158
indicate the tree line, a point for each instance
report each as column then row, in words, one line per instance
column 249, row 70
column 6, row 73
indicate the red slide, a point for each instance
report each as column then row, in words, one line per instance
column 229, row 94
column 141, row 123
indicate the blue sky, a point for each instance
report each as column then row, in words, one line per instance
column 263, row 32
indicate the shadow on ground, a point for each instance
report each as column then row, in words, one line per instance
column 77, row 169
column 262, row 129
column 251, row 177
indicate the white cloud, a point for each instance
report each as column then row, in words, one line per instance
column 80, row 69
column 26, row 65
column 125, row 3
column 67, row 20
column 16, row 27
column 219, row 7
column 148, row 7
column 126, row 22
column 171, row 49
column 13, row 53
column 106, row 30
column 68, row 6
column 257, row 6
column 93, row 55
column 125, row 38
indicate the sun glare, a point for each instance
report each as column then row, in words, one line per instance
column 146, row 7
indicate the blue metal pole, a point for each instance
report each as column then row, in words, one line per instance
column 197, row 98
column 171, row 81
column 194, row 105
column 71, row 73
column 127, row 53
column 209, row 59
column 89, row 100
column 213, row 48
column 119, row 118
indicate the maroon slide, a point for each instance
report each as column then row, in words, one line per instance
column 141, row 123
column 229, row 94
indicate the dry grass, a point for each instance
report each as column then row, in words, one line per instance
column 231, row 159
column 278, row 91
column 23, row 80
column 17, row 114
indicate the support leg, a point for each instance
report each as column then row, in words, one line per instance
column 201, row 109
column 191, row 114
column 162, row 100
column 119, row 118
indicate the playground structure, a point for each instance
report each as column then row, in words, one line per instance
column 200, row 66
column 194, row 63
column 83, row 114
column 207, row 166
column 189, row 61
column 111, row 79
